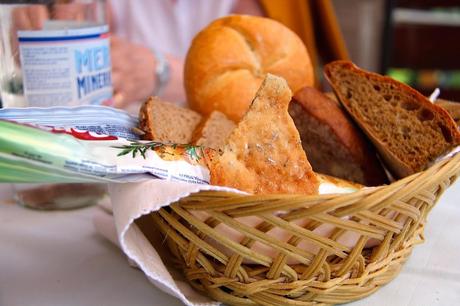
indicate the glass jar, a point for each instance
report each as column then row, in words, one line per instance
column 55, row 53
column 59, row 196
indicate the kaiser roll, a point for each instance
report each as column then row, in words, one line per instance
column 229, row 59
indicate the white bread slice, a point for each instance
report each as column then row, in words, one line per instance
column 263, row 154
column 165, row 122
column 213, row 131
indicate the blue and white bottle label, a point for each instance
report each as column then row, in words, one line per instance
column 66, row 67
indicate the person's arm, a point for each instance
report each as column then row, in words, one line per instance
column 248, row 7
column 133, row 66
column 133, row 73
column 174, row 90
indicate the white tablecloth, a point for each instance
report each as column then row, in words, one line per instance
column 57, row 258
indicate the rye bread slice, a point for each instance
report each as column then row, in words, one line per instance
column 452, row 107
column 333, row 143
column 165, row 122
column 213, row 131
column 407, row 129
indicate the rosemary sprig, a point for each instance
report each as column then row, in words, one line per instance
column 192, row 152
column 135, row 148
column 138, row 148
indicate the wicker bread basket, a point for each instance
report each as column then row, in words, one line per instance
column 394, row 215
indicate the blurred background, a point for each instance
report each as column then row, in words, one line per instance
column 413, row 41
column 416, row 42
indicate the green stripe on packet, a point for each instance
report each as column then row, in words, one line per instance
column 35, row 144
column 20, row 170
column 31, row 155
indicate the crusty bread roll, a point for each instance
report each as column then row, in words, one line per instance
column 229, row 59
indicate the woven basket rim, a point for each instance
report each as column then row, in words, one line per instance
column 449, row 164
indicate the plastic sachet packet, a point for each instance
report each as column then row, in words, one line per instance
column 89, row 144
column 97, row 119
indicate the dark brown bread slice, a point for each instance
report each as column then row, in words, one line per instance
column 453, row 108
column 334, row 145
column 166, row 122
column 407, row 129
column 213, row 131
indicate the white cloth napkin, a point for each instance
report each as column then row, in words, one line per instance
column 130, row 201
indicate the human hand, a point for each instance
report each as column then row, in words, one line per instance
column 30, row 17
column 133, row 71
column 33, row 17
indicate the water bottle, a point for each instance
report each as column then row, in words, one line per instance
column 54, row 53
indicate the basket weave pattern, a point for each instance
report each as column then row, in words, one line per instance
column 394, row 216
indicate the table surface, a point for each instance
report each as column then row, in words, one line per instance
column 57, row 258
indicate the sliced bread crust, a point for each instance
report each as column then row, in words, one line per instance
column 263, row 154
column 165, row 122
column 213, row 131
column 334, row 145
column 452, row 107
column 406, row 128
